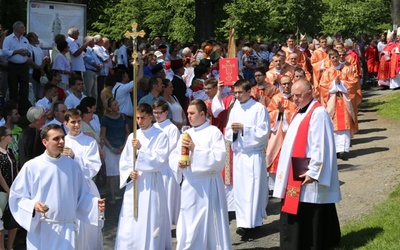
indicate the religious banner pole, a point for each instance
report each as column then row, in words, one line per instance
column 134, row 34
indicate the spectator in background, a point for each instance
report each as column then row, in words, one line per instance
column 30, row 144
column 122, row 91
column 54, row 78
column 17, row 49
column 12, row 118
column 76, row 87
column 178, row 116
column 107, row 90
column 8, row 172
column 62, row 65
column 114, row 131
column 37, row 64
column 76, row 50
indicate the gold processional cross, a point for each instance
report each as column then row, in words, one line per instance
column 134, row 34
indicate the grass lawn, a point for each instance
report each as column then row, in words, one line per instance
column 380, row 229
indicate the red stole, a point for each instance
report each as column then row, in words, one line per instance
column 293, row 189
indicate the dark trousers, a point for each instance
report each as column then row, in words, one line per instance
column 18, row 85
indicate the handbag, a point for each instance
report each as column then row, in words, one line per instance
column 8, row 219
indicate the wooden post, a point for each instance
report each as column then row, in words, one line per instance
column 135, row 64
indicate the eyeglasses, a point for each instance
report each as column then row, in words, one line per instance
column 258, row 75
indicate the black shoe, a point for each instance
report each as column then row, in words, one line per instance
column 241, row 231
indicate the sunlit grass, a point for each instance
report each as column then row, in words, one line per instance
column 387, row 106
column 378, row 230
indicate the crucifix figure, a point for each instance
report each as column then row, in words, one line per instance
column 134, row 34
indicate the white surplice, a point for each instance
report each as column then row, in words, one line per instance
column 171, row 182
column 151, row 229
column 60, row 184
column 87, row 156
column 203, row 220
column 250, row 182
column 323, row 162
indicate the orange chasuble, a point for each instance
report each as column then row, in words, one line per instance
column 264, row 93
column 342, row 107
column 279, row 124
column 301, row 59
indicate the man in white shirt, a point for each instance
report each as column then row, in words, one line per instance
column 122, row 54
column 50, row 97
column 37, row 63
column 17, row 50
column 105, row 59
column 76, row 50
column 122, row 93
column 59, row 110
column 76, row 87
column 93, row 66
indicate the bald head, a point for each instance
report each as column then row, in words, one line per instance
column 302, row 93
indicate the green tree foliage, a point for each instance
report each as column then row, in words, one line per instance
column 117, row 18
column 295, row 16
column 181, row 24
column 356, row 16
column 12, row 11
column 249, row 18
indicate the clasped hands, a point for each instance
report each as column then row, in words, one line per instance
column 237, row 127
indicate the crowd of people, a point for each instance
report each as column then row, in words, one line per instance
column 277, row 132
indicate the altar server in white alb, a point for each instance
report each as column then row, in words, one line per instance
column 307, row 176
column 151, row 229
column 203, row 220
column 84, row 150
column 171, row 181
column 248, row 130
column 50, row 193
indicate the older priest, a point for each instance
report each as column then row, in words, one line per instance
column 308, row 218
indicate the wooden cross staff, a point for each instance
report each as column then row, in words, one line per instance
column 135, row 64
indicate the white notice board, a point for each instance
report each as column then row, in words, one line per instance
column 48, row 19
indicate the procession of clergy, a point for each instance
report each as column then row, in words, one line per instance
column 244, row 143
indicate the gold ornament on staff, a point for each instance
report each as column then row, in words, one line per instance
column 134, row 34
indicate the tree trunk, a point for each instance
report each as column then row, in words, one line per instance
column 204, row 21
column 396, row 12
